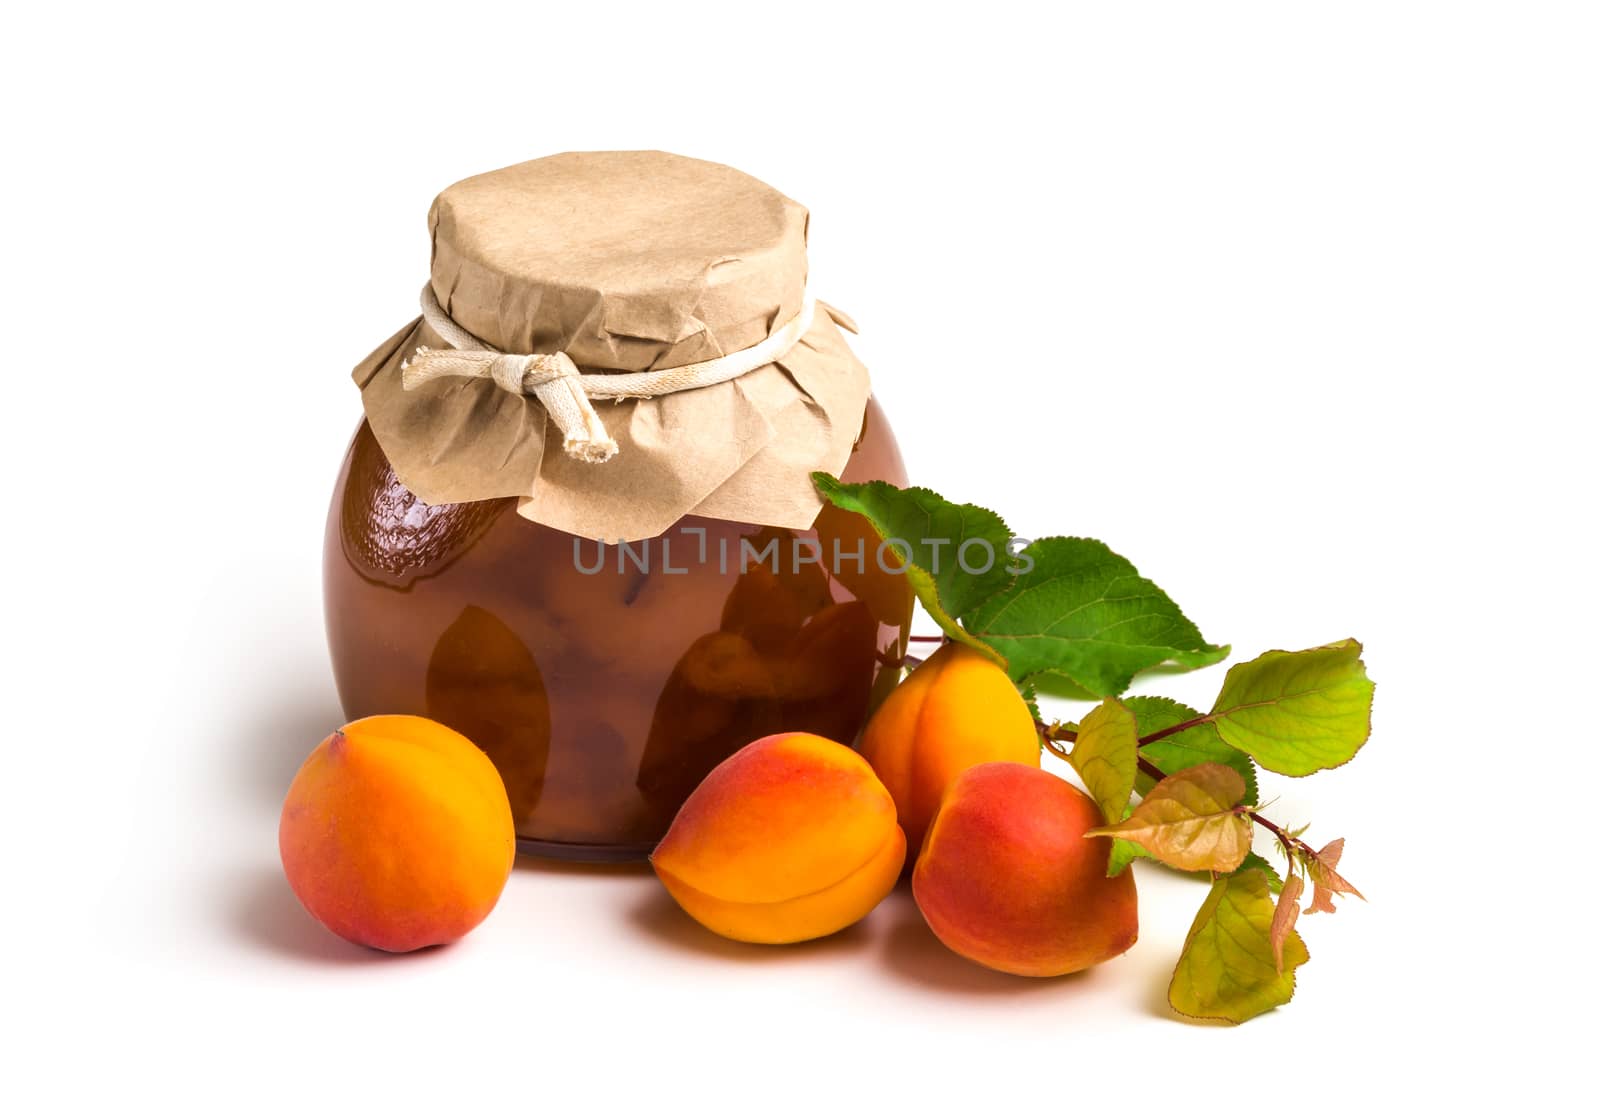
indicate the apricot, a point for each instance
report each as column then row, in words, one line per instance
column 397, row 833
column 1007, row 879
column 791, row 838
column 956, row 710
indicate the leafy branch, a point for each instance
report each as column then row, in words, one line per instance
column 1207, row 829
column 1174, row 785
column 1295, row 850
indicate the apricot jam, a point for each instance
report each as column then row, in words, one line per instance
column 606, row 681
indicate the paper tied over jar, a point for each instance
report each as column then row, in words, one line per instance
column 626, row 262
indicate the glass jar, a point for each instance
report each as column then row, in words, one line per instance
column 604, row 681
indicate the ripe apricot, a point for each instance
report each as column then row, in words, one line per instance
column 791, row 838
column 956, row 710
column 397, row 833
column 1006, row 877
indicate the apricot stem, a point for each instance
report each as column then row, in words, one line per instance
column 908, row 661
column 1291, row 846
column 1050, row 745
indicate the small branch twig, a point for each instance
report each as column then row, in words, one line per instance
column 1050, row 744
column 1174, row 729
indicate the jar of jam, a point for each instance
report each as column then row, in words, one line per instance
column 608, row 594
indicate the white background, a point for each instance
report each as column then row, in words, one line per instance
column 1295, row 306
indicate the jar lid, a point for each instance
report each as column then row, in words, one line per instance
column 622, row 260
column 624, row 264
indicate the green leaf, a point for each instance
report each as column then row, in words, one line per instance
column 1124, row 853
column 1194, row 745
column 1256, row 861
column 1031, row 698
column 1296, row 712
column 956, row 556
column 1227, row 970
column 1190, row 746
column 1084, row 612
column 1158, row 712
column 1105, row 752
column 1189, row 820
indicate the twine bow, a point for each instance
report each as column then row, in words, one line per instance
column 564, row 391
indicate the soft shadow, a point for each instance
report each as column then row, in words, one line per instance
column 1164, row 672
column 1157, row 1006
column 1064, row 688
column 265, row 914
column 659, row 917
column 280, row 728
column 1053, row 684
column 912, row 952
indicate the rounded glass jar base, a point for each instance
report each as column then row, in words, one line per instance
column 605, row 682
column 583, row 853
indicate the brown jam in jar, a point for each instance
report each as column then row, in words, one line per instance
column 604, row 681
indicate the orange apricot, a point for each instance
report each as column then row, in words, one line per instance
column 397, row 833
column 791, row 838
column 1007, row 879
column 956, row 710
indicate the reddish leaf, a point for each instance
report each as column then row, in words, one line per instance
column 1284, row 917
column 1325, row 880
column 1191, row 820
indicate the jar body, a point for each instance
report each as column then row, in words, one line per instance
column 606, row 681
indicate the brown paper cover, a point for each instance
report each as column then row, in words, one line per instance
column 632, row 261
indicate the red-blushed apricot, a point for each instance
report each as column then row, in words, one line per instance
column 956, row 710
column 1006, row 877
column 397, row 833
column 791, row 838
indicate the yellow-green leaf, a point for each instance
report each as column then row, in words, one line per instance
column 1296, row 712
column 1191, row 820
column 1228, row 971
column 1105, row 752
